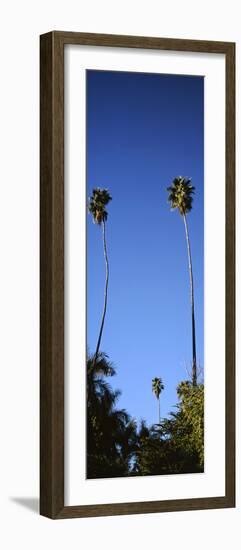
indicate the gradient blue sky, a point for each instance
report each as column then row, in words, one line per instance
column 142, row 131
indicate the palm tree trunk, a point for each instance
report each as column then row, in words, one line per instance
column 105, row 295
column 194, row 359
column 159, row 412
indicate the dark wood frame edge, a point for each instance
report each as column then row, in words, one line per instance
column 52, row 274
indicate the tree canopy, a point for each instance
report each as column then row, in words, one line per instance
column 180, row 194
column 97, row 204
column 118, row 447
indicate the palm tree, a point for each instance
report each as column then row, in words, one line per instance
column 157, row 387
column 100, row 395
column 180, row 197
column 97, row 207
column 111, row 432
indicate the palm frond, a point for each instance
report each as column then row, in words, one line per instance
column 97, row 203
column 100, row 365
column 180, row 194
column 157, row 386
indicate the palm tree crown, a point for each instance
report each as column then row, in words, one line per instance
column 180, row 194
column 97, row 204
column 157, row 386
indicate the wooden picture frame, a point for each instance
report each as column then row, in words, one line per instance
column 52, row 274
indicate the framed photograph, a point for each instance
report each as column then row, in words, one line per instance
column 137, row 398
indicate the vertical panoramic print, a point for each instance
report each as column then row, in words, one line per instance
column 145, row 274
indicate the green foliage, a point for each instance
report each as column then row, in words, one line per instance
column 191, row 413
column 157, row 386
column 117, row 448
column 177, row 445
column 111, row 433
column 97, row 203
column 180, row 194
column 161, row 455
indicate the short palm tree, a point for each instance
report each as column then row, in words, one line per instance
column 157, row 387
column 97, row 207
column 181, row 197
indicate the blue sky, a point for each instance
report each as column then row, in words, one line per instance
column 142, row 131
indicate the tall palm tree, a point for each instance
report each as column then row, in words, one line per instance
column 157, row 387
column 180, row 197
column 97, row 207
